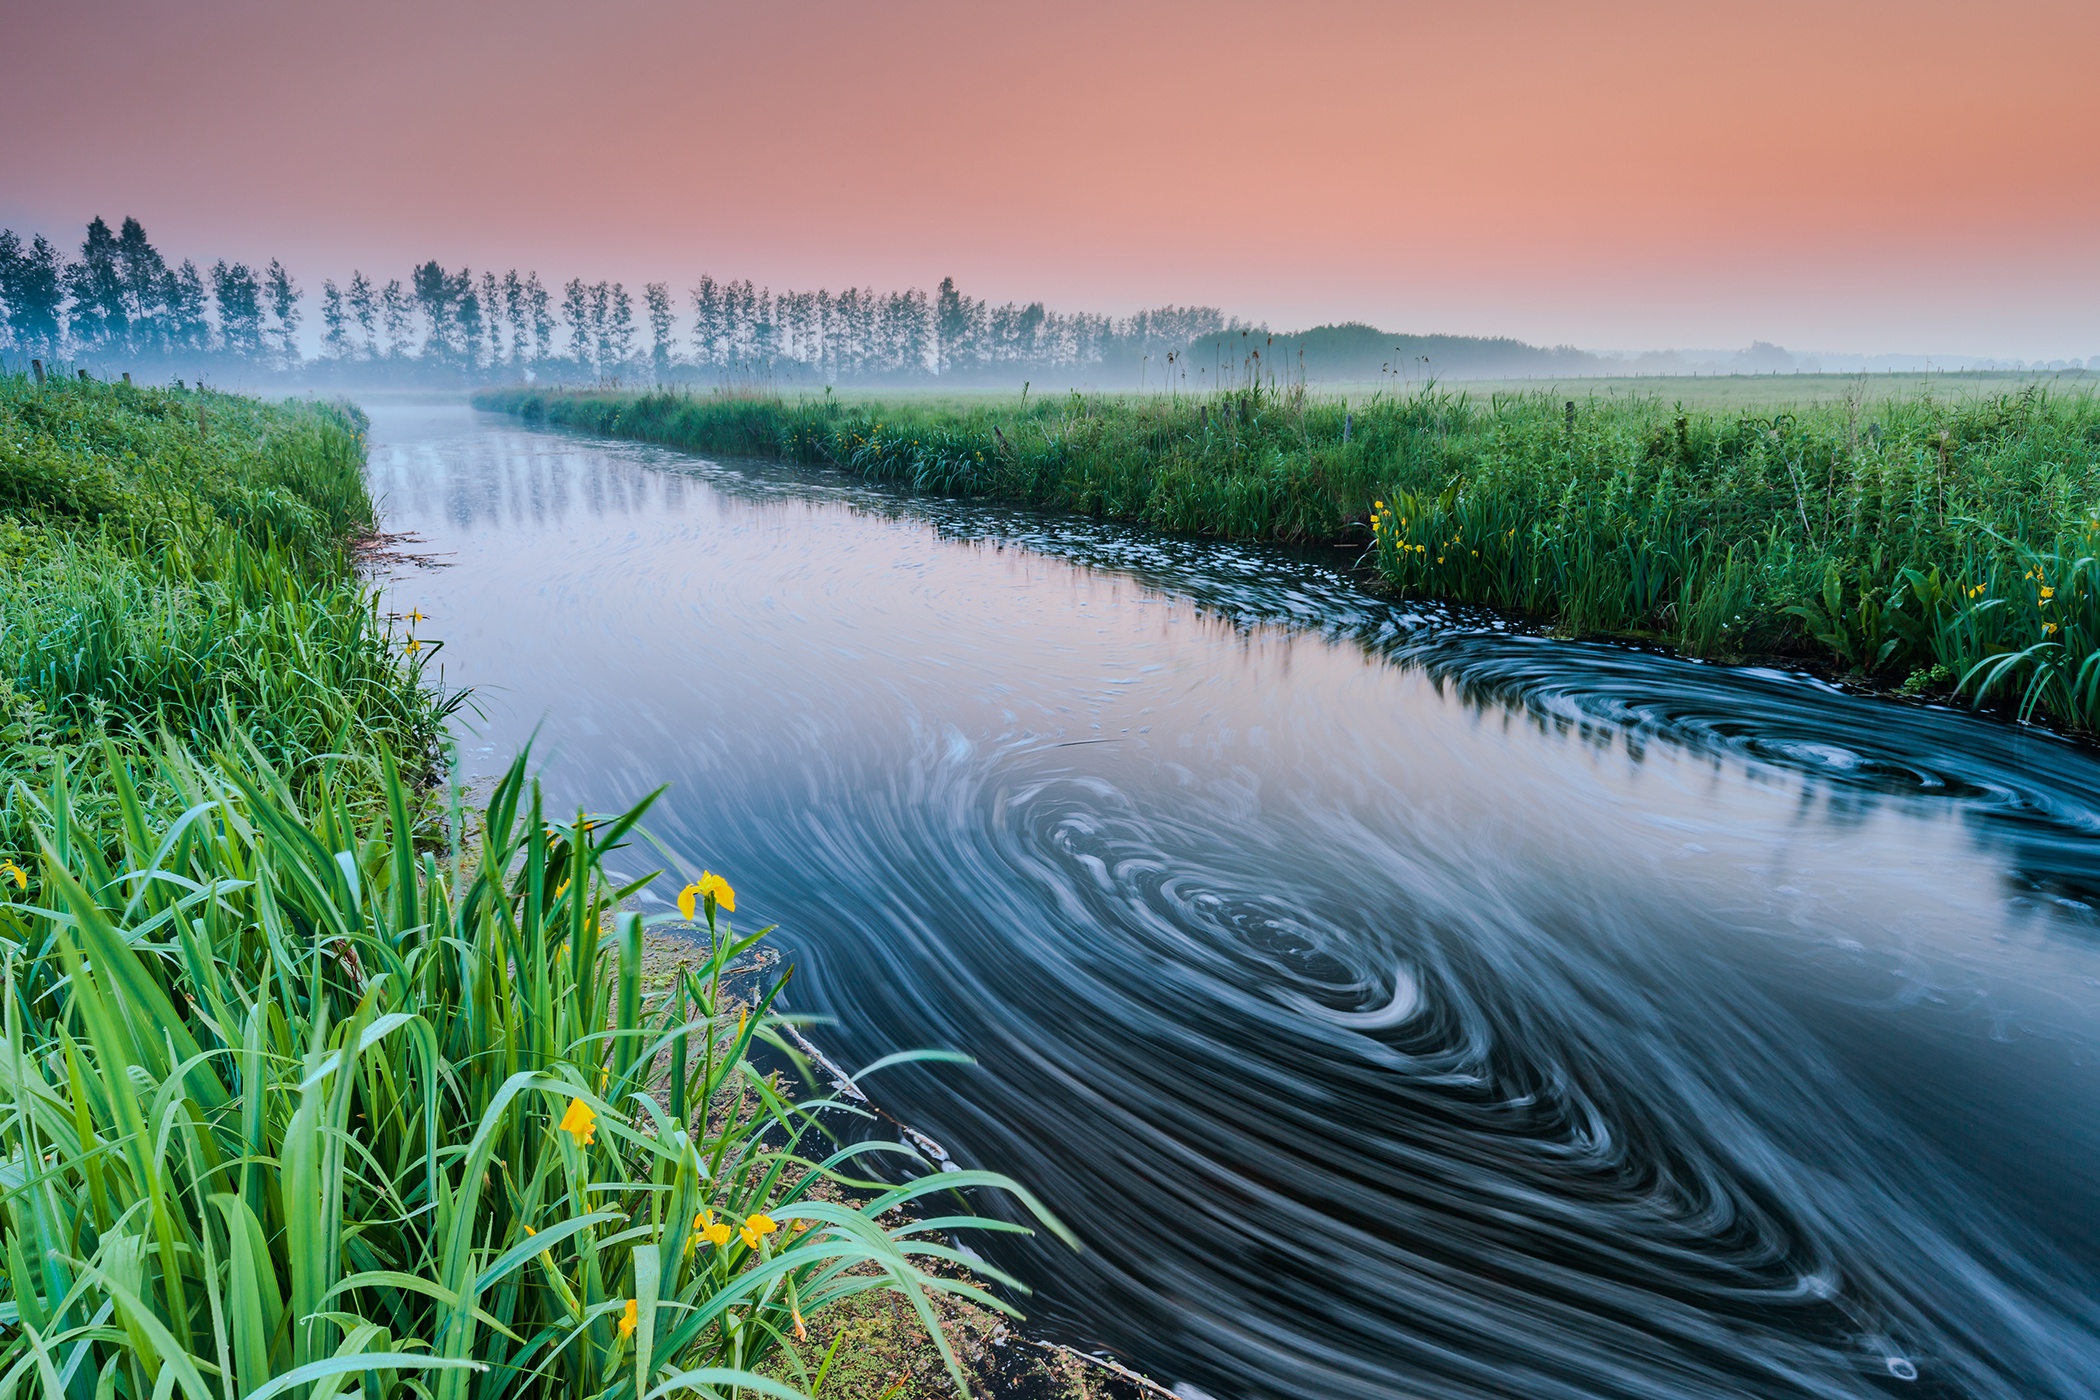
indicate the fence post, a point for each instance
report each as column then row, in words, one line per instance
column 83, row 376
column 1571, row 417
column 38, row 367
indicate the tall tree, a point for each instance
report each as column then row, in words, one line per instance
column 576, row 313
column 283, row 297
column 518, row 309
column 619, row 327
column 335, row 324
column 955, row 319
column 364, row 309
column 434, row 298
column 189, row 330
column 709, row 323
column 97, row 320
column 397, row 317
column 467, row 313
column 32, row 283
column 238, row 296
column 540, row 310
column 661, row 328
column 145, row 279
column 493, row 311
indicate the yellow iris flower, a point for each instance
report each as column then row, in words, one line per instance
column 708, row 886
column 627, row 1318
column 14, row 872
column 580, row 1122
column 717, row 888
column 755, row 1228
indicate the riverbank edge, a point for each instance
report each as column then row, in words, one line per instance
column 764, row 427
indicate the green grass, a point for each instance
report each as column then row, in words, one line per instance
column 174, row 562
column 294, row 1105
column 1941, row 544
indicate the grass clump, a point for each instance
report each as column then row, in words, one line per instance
column 294, row 1106
column 1954, row 541
column 175, row 561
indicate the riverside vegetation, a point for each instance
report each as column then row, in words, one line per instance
column 1934, row 545
column 304, row 1092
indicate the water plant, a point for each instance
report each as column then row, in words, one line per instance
column 1917, row 536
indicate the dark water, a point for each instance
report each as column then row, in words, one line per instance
column 1395, row 1007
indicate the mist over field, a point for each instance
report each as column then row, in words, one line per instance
column 116, row 304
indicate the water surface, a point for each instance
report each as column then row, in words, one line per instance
column 1394, row 1005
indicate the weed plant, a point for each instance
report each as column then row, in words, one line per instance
column 1934, row 544
column 294, row 1106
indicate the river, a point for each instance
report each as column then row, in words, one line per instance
column 1394, row 1005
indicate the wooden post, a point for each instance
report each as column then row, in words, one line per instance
column 1571, row 417
column 127, row 378
column 38, row 367
column 83, row 376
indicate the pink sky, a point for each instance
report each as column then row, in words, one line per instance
column 1841, row 175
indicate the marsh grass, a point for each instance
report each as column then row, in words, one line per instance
column 1936, row 544
column 293, row 1104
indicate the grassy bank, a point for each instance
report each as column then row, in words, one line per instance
column 1940, row 545
column 175, row 564
column 302, row 1092
column 293, row 1105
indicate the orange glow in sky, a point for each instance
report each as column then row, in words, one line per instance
column 1870, row 176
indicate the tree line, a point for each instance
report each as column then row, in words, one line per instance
column 118, row 302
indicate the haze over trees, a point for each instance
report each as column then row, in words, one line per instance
column 115, row 303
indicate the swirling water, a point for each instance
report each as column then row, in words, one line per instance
column 1394, row 1005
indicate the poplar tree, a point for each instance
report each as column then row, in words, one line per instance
column 144, row 277
column 468, row 340
column 576, row 312
column 397, row 318
column 364, row 309
column 32, row 283
column 619, row 327
column 238, row 297
column 98, row 322
column 433, row 292
column 708, row 325
column 335, row 335
column 519, row 312
column 189, row 330
column 284, row 298
column 492, row 310
column 661, row 327
column 539, row 310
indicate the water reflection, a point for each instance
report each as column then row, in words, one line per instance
column 1394, row 1005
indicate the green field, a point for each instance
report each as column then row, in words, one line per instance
column 1934, row 535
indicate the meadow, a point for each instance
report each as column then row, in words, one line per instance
column 1936, row 543
column 314, row 1083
